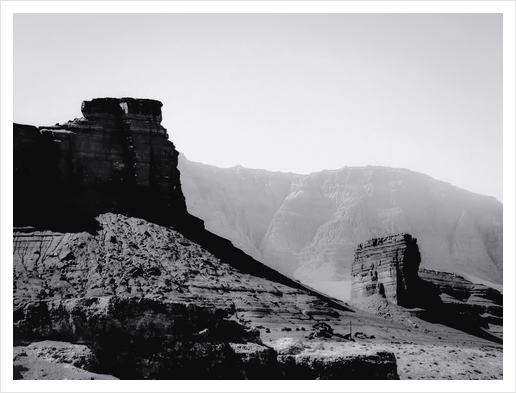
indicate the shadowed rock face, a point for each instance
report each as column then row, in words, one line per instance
column 480, row 302
column 167, row 340
column 117, row 158
column 387, row 266
column 372, row 367
column 183, row 341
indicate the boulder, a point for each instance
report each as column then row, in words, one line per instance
column 343, row 366
column 288, row 346
column 54, row 360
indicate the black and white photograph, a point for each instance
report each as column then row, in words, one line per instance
column 258, row 196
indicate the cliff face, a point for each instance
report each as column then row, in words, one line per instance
column 387, row 266
column 116, row 158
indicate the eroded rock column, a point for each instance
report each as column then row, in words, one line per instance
column 387, row 266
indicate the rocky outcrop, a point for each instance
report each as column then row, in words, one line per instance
column 108, row 257
column 297, row 360
column 457, row 293
column 54, row 360
column 116, row 158
column 131, row 257
column 373, row 366
column 387, row 266
column 167, row 340
column 390, row 267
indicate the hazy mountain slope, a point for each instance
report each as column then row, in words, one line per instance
column 307, row 226
column 237, row 204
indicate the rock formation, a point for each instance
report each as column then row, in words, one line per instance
column 117, row 158
column 106, row 255
column 150, row 302
column 479, row 303
column 168, row 340
column 338, row 366
column 53, row 360
column 387, row 266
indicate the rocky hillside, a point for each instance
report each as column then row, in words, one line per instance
column 150, row 303
column 108, row 257
column 308, row 226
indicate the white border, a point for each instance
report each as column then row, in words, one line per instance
column 257, row 6
column 9, row 8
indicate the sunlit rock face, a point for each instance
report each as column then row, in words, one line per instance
column 308, row 226
column 388, row 267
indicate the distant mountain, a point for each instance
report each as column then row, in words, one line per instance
column 307, row 226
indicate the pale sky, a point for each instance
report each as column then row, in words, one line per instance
column 285, row 92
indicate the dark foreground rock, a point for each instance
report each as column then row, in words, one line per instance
column 381, row 365
column 116, row 158
column 141, row 338
column 55, row 360
column 135, row 338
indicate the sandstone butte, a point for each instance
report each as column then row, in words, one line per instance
column 387, row 266
column 106, row 256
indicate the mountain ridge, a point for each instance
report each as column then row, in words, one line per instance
column 236, row 167
column 346, row 206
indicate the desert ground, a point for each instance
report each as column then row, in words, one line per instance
column 424, row 351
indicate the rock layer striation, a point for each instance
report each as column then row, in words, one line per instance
column 387, row 266
column 116, row 158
